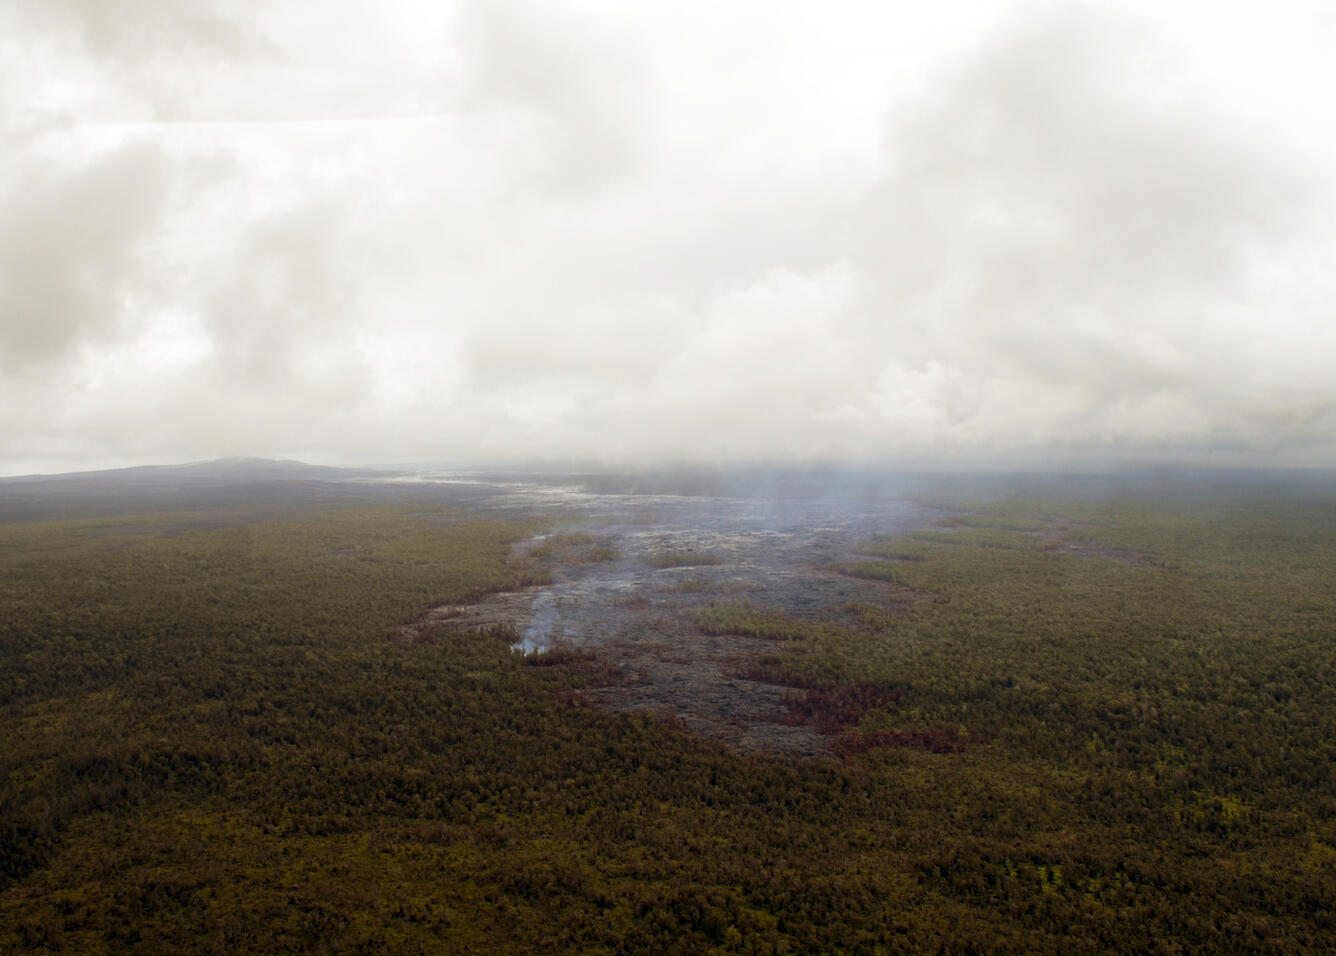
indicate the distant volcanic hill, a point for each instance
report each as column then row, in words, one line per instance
column 226, row 482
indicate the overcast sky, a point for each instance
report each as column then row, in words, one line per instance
column 972, row 233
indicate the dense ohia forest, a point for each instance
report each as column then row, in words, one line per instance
column 1071, row 726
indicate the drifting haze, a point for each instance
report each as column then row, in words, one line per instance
column 1001, row 234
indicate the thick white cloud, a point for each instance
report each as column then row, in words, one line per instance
column 516, row 230
column 1090, row 264
column 562, row 105
column 72, row 241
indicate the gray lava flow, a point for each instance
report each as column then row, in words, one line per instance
column 672, row 556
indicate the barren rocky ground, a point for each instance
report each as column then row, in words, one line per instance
column 659, row 561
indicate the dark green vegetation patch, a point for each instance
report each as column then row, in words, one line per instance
column 1069, row 727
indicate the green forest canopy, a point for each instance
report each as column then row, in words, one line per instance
column 1098, row 726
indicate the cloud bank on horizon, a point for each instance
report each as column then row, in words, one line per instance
column 1000, row 234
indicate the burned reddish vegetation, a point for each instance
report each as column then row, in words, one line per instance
column 828, row 707
column 933, row 741
column 832, row 708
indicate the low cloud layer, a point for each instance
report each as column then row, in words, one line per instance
column 520, row 231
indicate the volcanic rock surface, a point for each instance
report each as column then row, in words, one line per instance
column 667, row 558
